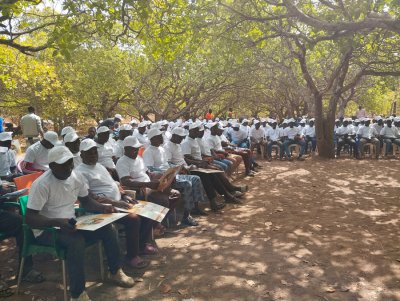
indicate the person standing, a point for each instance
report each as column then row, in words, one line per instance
column 31, row 126
column 361, row 113
column 209, row 115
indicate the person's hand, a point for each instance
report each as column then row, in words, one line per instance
column 153, row 184
column 122, row 204
column 65, row 226
column 184, row 171
column 129, row 199
column 109, row 209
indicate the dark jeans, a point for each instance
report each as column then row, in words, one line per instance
column 272, row 143
column 346, row 140
column 208, row 184
column 75, row 245
column 11, row 224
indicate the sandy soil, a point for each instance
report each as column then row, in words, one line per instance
column 314, row 230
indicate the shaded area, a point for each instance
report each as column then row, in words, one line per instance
column 314, row 230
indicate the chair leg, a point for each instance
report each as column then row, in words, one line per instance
column 64, row 279
column 175, row 216
column 101, row 260
column 21, row 268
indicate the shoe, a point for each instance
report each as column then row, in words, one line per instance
column 290, row 159
column 216, row 206
column 249, row 174
column 120, row 279
column 257, row 165
column 82, row 297
column 198, row 211
column 189, row 221
column 138, row 263
column 238, row 194
column 300, row 158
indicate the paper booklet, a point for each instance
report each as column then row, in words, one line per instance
column 168, row 177
column 205, row 170
column 92, row 222
column 148, row 209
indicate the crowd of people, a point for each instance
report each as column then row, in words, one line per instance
column 114, row 157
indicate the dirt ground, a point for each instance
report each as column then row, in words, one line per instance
column 313, row 230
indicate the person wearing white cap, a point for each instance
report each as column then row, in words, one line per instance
column 36, row 156
column 390, row 136
column 239, row 136
column 257, row 137
column 344, row 136
column 8, row 169
column 31, row 126
column 309, row 135
column 66, row 130
column 72, row 142
column 293, row 136
column 378, row 124
column 51, row 204
column 125, row 130
column 367, row 134
column 105, row 150
column 245, row 127
column 302, row 125
column 141, row 136
column 106, row 191
column 273, row 138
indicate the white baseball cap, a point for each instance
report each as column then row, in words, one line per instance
column 87, row 144
column 59, row 154
column 71, row 137
column 244, row 120
column 256, row 121
column 211, row 124
column 125, row 127
column 142, row 124
column 194, row 125
column 51, row 136
column 179, row 131
column 235, row 125
column 153, row 132
column 302, row 121
column 5, row 136
column 66, row 130
column 132, row 141
column 103, row 129
column 119, row 116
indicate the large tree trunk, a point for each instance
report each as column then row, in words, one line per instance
column 324, row 125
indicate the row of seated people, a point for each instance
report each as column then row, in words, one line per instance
column 86, row 170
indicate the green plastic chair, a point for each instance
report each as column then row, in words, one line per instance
column 31, row 246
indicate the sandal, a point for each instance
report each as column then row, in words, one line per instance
column 5, row 291
column 33, row 276
column 137, row 263
column 149, row 250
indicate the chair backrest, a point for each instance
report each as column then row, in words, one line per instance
column 23, row 203
column 26, row 181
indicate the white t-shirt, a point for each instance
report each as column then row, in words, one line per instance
column 389, row 132
column 291, row 132
column 309, row 131
column 174, row 154
column 106, row 152
column 214, row 142
column 37, row 154
column 127, row 167
column 343, row 130
column 367, row 132
column 143, row 139
column 7, row 160
column 56, row 198
column 238, row 136
column 77, row 159
column 204, row 148
column 191, row 147
column 99, row 181
column 273, row 134
column 257, row 134
column 119, row 148
column 155, row 157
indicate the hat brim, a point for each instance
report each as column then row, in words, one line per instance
column 64, row 159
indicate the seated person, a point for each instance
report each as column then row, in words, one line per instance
column 125, row 130
column 368, row 134
column 220, row 183
column 155, row 158
column 293, row 136
column 141, row 136
column 134, row 175
column 390, row 136
column 36, row 156
column 273, row 138
column 105, row 150
column 105, row 190
column 47, row 209
column 11, row 224
column 72, row 142
column 343, row 135
column 210, row 156
column 8, row 165
column 239, row 137
column 66, row 130
column 309, row 135
column 257, row 136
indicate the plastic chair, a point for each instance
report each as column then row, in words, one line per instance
column 31, row 247
column 26, row 181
